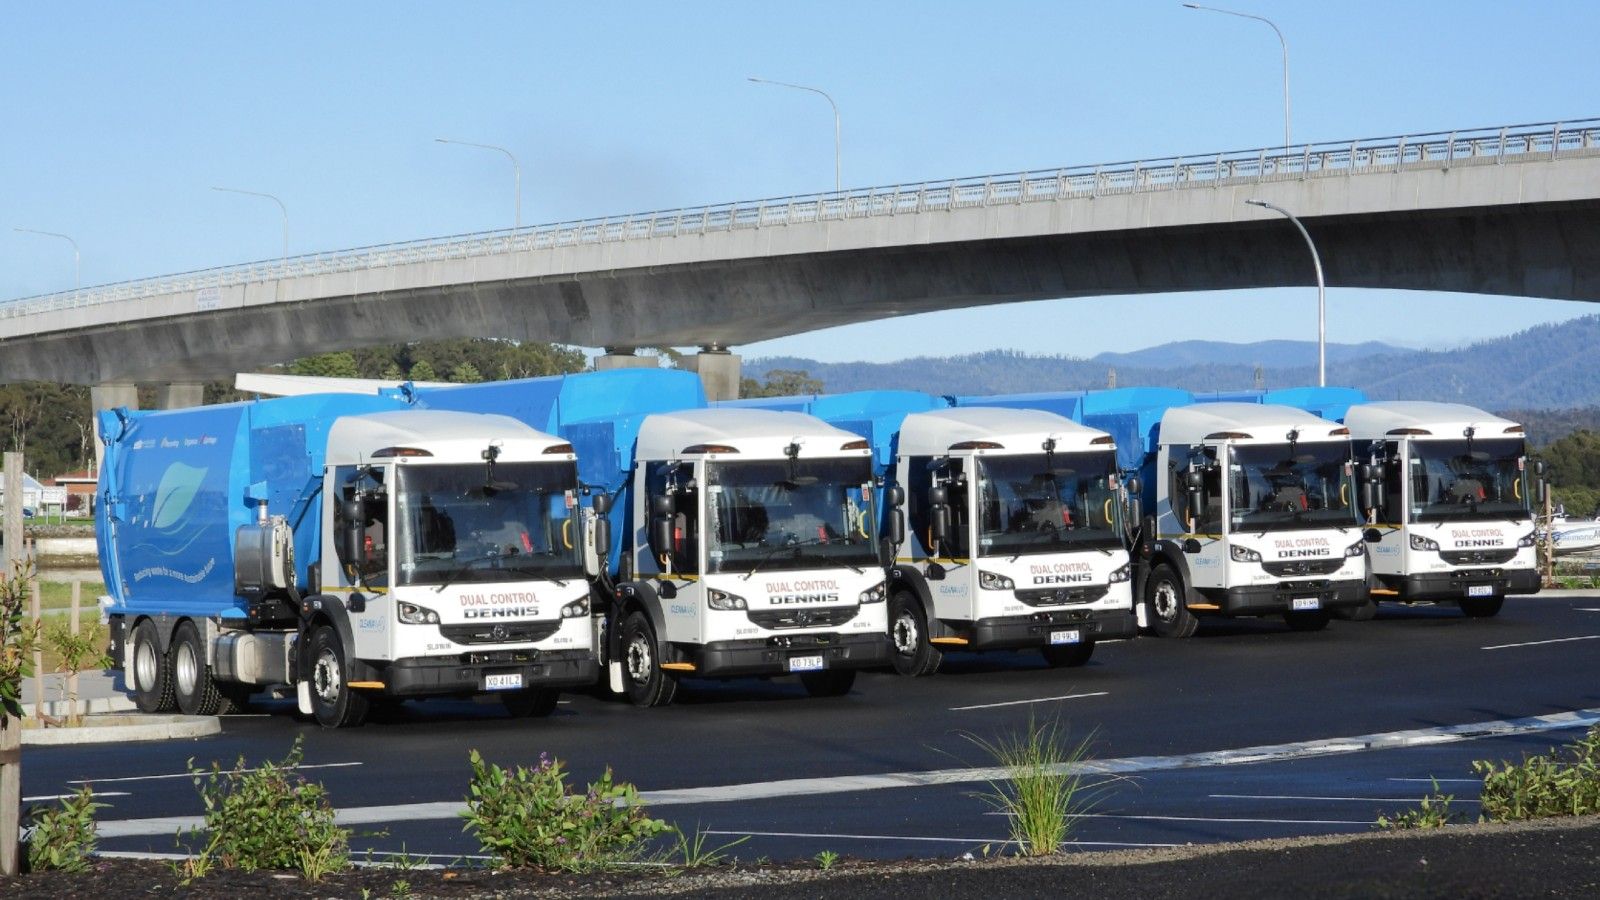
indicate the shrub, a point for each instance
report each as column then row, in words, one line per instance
column 1045, row 789
column 1563, row 782
column 63, row 837
column 19, row 637
column 527, row 818
column 1432, row 812
column 269, row 818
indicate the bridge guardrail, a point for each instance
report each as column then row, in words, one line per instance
column 1482, row 146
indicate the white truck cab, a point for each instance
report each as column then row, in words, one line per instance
column 1454, row 518
column 1012, row 538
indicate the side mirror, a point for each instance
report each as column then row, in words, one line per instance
column 1135, row 486
column 897, row 526
column 663, row 505
column 353, row 536
column 1191, row 546
column 661, row 535
column 1194, row 479
column 896, row 495
column 1367, row 495
column 668, row 590
column 601, row 503
column 1538, row 467
column 602, row 538
column 935, row 572
column 938, row 495
column 1372, row 535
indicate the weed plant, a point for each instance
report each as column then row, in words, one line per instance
column 1563, row 782
column 1432, row 812
column 693, row 852
column 62, row 838
column 1045, row 789
column 527, row 818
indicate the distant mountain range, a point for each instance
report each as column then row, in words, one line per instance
column 1547, row 367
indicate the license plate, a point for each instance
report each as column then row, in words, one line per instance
column 1480, row 590
column 1307, row 603
column 1072, row 636
column 510, row 682
column 805, row 663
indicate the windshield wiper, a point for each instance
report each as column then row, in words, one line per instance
column 795, row 546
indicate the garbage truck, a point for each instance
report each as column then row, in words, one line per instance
column 353, row 549
column 1004, row 526
column 746, row 540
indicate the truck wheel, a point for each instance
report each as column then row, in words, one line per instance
column 829, row 683
column 1307, row 619
column 535, row 703
column 334, row 703
column 192, row 686
column 1366, row 612
column 1169, row 617
column 914, row 654
column 1480, row 607
column 1067, row 656
column 645, row 682
column 150, row 670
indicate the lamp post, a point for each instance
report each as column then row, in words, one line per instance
column 1322, row 304
column 1283, row 43
column 825, row 96
column 281, row 208
column 516, row 167
column 77, row 258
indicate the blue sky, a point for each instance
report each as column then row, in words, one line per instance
column 118, row 119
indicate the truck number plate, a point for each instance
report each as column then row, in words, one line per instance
column 805, row 663
column 1307, row 603
column 1480, row 590
column 1072, row 636
column 509, row 682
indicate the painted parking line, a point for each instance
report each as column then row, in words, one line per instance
column 1023, row 702
column 43, row 798
column 338, row 765
column 1329, row 799
column 921, row 838
column 849, row 784
column 1587, row 637
column 1440, row 780
column 1153, row 818
column 1587, row 609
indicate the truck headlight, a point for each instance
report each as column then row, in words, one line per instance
column 1359, row 548
column 1123, row 573
column 989, row 581
column 724, row 600
column 1527, row 540
column 1244, row 554
column 412, row 614
column 872, row 594
column 576, row 609
column 1418, row 542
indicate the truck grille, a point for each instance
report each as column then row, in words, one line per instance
column 1058, row 596
column 499, row 632
column 803, row 618
column 1303, row 567
column 1477, row 557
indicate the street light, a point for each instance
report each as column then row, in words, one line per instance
column 825, row 96
column 1322, row 304
column 516, row 167
column 281, row 208
column 1283, row 43
column 77, row 268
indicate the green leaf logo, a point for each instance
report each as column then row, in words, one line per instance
column 178, row 487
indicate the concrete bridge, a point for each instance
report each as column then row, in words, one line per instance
column 1512, row 210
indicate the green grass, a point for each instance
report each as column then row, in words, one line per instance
column 58, row 595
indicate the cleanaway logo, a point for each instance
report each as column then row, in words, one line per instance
column 176, row 493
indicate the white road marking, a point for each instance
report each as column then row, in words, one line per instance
column 97, row 795
column 1441, row 780
column 1587, row 609
column 206, row 772
column 1587, row 637
column 1365, row 824
column 1022, row 702
column 863, row 837
column 847, row 784
column 1333, row 799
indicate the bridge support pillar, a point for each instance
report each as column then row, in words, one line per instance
column 109, row 395
column 180, row 395
column 718, row 370
column 624, row 358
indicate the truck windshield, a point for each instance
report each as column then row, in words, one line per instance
column 1286, row 487
column 1458, row 480
column 457, row 524
column 774, row 514
column 1047, row 503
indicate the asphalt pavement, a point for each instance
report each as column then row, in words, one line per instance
column 1246, row 731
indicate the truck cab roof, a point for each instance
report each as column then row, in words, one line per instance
column 1244, row 422
column 756, row 432
column 452, row 436
column 1371, row 421
column 934, row 433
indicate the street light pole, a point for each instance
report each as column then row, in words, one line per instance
column 1322, row 304
column 281, row 208
column 516, row 167
column 1283, row 43
column 825, row 96
column 77, row 258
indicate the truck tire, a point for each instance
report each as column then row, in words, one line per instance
column 1481, row 607
column 643, row 679
column 334, row 703
column 913, row 654
column 192, row 686
column 829, row 683
column 1307, row 619
column 150, row 671
column 1366, row 612
column 534, row 703
column 1169, row 616
column 1067, row 656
